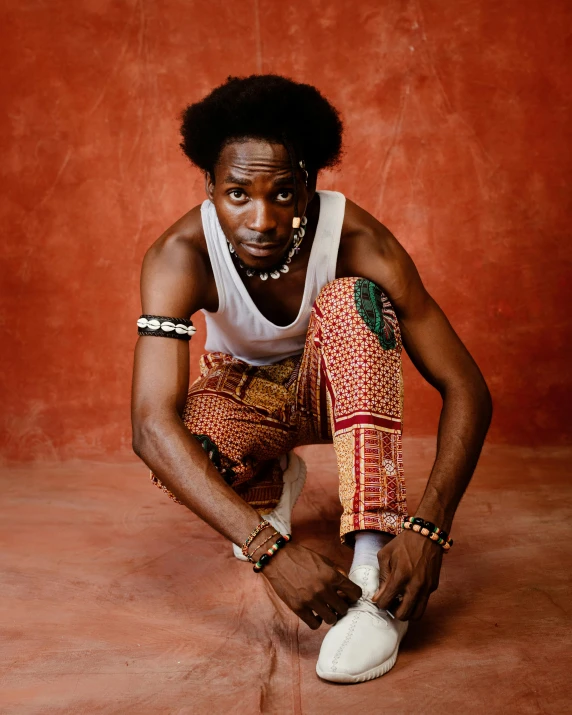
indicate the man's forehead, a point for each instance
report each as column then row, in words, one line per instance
column 255, row 156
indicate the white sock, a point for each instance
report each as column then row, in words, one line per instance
column 368, row 543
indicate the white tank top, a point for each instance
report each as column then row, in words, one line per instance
column 238, row 328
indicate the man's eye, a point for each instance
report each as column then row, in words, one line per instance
column 285, row 195
column 237, row 193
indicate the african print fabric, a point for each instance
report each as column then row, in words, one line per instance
column 345, row 388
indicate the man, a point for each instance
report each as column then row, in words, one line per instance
column 308, row 301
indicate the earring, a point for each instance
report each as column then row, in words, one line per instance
column 303, row 167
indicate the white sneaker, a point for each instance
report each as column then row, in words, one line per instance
column 363, row 644
column 281, row 516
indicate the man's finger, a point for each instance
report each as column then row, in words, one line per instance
column 351, row 589
column 391, row 588
column 337, row 603
column 311, row 620
column 408, row 604
column 384, row 568
column 325, row 613
column 384, row 572
column 385, row 580
column 343, row 596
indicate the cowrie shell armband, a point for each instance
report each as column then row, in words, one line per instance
column 164, row 327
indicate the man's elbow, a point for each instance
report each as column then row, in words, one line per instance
column 482, row 400
column 146, row 432
column 483, row 403
column 474, row 392
column 138, row 438
column 137, row 444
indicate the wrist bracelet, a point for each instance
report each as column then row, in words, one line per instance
column 428, row 529
column 263, row 525
column 265, row 558
column 275, row 533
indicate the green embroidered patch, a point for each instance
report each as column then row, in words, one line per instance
column 376, row 311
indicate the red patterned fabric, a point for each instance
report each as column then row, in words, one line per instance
column 345, row 388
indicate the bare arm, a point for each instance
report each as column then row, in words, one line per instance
column 442, row 359
column 173, row 280
column 440, row 356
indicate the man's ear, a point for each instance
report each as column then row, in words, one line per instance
column 209, row 185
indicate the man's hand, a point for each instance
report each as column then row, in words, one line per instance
column 409, row 567
column 309, row 583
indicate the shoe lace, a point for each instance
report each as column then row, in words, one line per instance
column 366, row 605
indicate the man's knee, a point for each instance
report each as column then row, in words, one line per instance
column 365, row 299
column 337, row 288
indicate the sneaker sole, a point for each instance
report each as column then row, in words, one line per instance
column 370, row 674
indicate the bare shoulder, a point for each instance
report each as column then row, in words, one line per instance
column 361, row 231
column 368, row 249
column 176, row 272
column 182, row 243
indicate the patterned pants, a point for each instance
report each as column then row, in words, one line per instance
column 345, row 388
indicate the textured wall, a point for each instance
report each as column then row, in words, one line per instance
column 457, row 138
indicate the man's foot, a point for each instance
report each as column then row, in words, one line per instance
column 281, row 516
column 363, row 644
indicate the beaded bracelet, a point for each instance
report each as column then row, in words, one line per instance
column 265, row 558
column 263, row 525
column 275, row 533
column 428, row 529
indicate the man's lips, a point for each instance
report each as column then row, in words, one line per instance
column 262, row 249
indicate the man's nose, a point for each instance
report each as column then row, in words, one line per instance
column 261, row 218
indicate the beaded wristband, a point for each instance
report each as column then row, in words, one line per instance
column 163, row 327
column 276, row 533
column 428, row 529
column 265, row 558
column 263, row 525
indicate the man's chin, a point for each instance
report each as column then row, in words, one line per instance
column 257, row 259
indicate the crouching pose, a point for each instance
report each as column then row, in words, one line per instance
column 308, row 302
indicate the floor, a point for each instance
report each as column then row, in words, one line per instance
column 116, row 600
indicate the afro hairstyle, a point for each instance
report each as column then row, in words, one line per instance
column 269, row 107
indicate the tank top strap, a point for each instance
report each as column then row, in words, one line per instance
column 215, row 246
column 327, row 238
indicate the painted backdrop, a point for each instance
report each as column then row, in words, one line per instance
column 457, row 138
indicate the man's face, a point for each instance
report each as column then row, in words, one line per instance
column 253, row 194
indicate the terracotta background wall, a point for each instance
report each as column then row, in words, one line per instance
column 457, row 117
